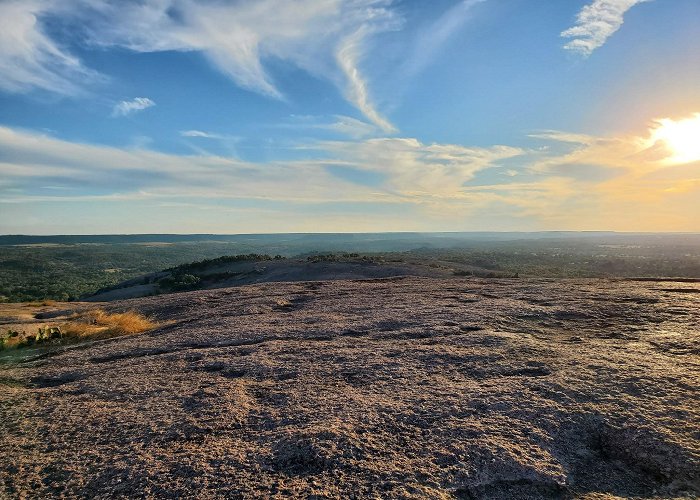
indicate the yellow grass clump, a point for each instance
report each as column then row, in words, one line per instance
column 42, row 303
column 92, row 324
column 103, row 324
column 11, row 342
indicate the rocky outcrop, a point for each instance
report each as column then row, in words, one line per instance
column 385, row 388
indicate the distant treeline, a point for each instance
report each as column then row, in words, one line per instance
column 74, row 266
column 125, row 238
column 439, row 240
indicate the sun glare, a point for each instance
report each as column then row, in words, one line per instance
column 682, row 137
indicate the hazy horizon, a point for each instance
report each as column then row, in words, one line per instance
column 351, row 116
column 485, row 235
column 549, row 231
column 346, row 233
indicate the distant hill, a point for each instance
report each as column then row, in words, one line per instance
column 237, row 270
column 69, row 266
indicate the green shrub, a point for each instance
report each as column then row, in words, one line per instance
column 180, row 282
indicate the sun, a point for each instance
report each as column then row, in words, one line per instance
column 681, row 137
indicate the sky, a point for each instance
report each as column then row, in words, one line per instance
column 261, row 116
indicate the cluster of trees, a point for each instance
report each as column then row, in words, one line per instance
column 344, row 257
column 180, row 282
column 191, row 276
column 66, row 272
column 202, row 265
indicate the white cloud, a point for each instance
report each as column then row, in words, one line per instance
column 595, row 23
column 29, row 58
column 555, row 135
column 351, row 127
column 419, row 171
column 28, row 159
column 625, row 185
column 413, row 172
column 431, row 40
column 199, row 133
column 340, row 124
column 124, row 108
column 327, row 38
column 348, row 55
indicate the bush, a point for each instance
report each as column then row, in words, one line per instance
column 180, row 282
column 339, row 257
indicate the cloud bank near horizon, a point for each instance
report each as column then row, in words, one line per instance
column 444, row 183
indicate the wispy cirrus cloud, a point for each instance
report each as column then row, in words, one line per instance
column 348, row 55
column 339, row 124
column 327, row 38
column 201, row 134
column 411, row 172
column 29, row 58
column 431, row 39
column 124, row 108
column 595, row 23
column 351, row 127
column 29, row 159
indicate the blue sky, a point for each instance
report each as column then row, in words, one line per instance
column 348, row 115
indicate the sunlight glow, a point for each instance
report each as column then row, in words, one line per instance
column 682, row 137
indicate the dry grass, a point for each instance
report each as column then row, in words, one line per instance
column 92, row 324
column 100, row 324
column 12, row 342
column 42, row 303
